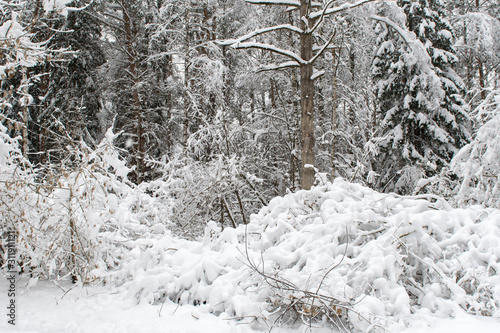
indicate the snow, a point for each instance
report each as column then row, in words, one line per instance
column 58, row 6
column 379, row 257
column 48, row 309
column 294, row 3
column 462, row 323
column 478, row 163
column 337, row 257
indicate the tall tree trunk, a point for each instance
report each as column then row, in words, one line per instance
column 186, row 104
column 136, row 102
column 72, row 238
column 334, row 114
column 25, row 114
column 306, row 100
column 481, row 78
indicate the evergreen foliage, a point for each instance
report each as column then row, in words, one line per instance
column 424, row 117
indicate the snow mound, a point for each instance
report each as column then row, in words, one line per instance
column 339, row 251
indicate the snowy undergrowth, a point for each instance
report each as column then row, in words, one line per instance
column 77, row 220
column 478, row 163
column 338, row 251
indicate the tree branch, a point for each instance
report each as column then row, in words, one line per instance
column 323, row 48
column 292, row 3
column 338, row 9
column 272, row 48
column 260, row 32
column 284, row 65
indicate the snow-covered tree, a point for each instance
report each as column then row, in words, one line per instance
column 49, row 55
column 477, row 27
column 311, row 16
column 477, row 165
column 424, row 117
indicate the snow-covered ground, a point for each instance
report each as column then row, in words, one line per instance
column 46, row 308
column 340, row 257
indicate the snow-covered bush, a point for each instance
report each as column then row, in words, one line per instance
column 77, row 222
column 198, row 191
column 340, row 253
column 17, row 199
column 478, row 164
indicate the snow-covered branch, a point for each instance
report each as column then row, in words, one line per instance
column 317, row 74
column 323, row 48
column 272, row 48
column 294, row 3
column 411, row 40
column 318, row 22
column 284, row 65
column 338, row 9
column 291, row 3
column 403, row 33
column 260, row 32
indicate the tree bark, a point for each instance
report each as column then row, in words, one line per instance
column 482, row 84
column 25, row 114
column 136, row 102
column 334, row 115
column 306, row 99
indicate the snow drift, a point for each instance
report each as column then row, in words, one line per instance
column 339, row 253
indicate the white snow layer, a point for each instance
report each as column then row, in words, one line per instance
column 377, row 260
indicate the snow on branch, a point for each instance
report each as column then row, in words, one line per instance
column 292, row 3
column 260, row 32
column 334, row 10
column 60, row 6
column 416, row 46
column 403, row 33
column 272, row 48
column 317, row 74
column 284, row 65
column 323, row 48
column 79, row 9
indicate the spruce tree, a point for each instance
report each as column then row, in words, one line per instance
column 424, row 117
column 68, row 89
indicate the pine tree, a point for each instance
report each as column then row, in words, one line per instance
column 426, row 19
column 68, row 88
column 420, row 99
column 64, row 99
column 138, row 94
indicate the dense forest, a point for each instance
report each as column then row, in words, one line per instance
column 125, row 120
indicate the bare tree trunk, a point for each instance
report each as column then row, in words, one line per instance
column 25, row 114
column 221, row 213
column 334, row 120
column 335, row 103
column 306, row 100
column 272, row 93
column 72, row 236
column 294, row 158
column 481, row 78
column 185, row 125
column 136, row 103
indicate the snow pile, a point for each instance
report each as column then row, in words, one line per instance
column 338, row 251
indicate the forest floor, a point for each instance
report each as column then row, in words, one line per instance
column 48, row 308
